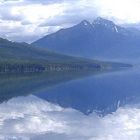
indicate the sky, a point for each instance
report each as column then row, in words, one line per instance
column 29, row 20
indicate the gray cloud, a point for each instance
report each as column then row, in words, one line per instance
column 7, row 15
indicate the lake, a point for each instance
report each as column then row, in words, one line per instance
column 71, row 106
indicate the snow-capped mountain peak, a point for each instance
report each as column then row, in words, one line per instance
column 85, row 23
column 105, row 23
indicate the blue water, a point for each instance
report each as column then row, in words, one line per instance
column 102, row 93
column 90, row 107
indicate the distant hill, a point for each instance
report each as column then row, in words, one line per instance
column 23, row 52
column 99, row 39
column 22, row 57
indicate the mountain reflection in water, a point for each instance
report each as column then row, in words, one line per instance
column 86, row 97
column 77, row 105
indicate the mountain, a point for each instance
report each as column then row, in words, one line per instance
column 134, row 30
column 23, row 52
column 100, row 39
column 22, row 57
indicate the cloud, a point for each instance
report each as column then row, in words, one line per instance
column 26, row 19
column 42, row 15
column 15, row 30
column 126, row 11
column 35, row 119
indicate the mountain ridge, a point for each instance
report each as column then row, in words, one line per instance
column 101, row 38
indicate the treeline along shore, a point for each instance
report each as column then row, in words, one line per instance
column 30, row 68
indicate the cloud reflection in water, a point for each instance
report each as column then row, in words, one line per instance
column 33, row 118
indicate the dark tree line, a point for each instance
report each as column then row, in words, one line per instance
column 30, row 68
column 9, row 68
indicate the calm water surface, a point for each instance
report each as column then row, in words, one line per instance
column 71, row 106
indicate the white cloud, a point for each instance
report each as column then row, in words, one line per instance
column 24, row 20
column 122, row 11
column 34, row 15
column 33, row 118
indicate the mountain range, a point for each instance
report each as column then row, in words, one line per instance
column 14, row 52
column 100, row 39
